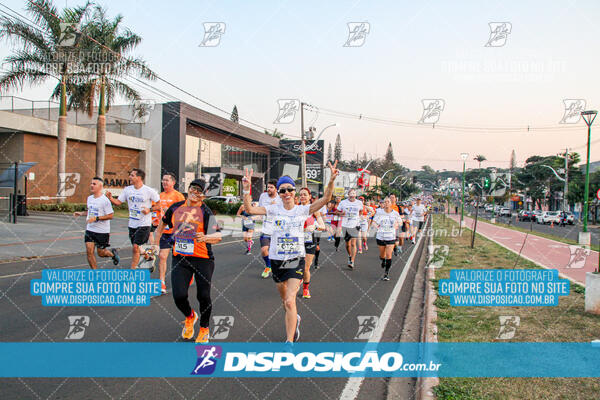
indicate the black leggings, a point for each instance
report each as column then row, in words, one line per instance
column 183, row 270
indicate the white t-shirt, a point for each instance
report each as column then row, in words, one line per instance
column 386, row 224
column 265, row 201
column 351, row 209
column 418, row 213
column 287, row 236
column 98, row 207
column 136, row 200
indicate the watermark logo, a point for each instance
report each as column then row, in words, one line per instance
column 212, row 34
column 77, row 325
column 578, row 257
column 207, row 359
column 222, row 325
column 141, row 111
column 287, row 111
column 499, row 32
column 68, row 183
column 437, row 256
column 508, row 326
column 432, row 109
column 573, row 109
column 357, row 33
column 366, row 326
column 68, row 34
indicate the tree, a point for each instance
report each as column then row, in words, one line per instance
column 275, row 133
column 480, row 158
column 42, row 47
column 234, row 115
column 389, row 154
column 364, row 157
column 337, row 151
column 107, row 41
column 512, row 166
column 329, row 153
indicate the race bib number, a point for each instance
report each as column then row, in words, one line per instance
column 183, row 246
column 288, row 246
column 92, row 212
column 154, row 215
column 248, row 223
column 134, row 213
column 308, row 237
column 387, row 229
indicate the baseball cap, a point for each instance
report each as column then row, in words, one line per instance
column 199, row 183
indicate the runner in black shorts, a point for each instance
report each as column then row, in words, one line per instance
column 386, row 220
column 194, row 231
column 286, row 250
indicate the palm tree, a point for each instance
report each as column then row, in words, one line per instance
column 40, row 47
column 107, row 46
column 480, row 158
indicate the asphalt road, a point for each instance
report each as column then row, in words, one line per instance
column 339, row 296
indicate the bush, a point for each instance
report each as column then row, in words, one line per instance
column 220, row 207
column 65, row 207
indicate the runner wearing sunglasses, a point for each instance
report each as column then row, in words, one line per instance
column 286, row 249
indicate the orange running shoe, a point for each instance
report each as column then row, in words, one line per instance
column 306, row 293
column 192, row 280
column 202, row 335
column 188, row 327
column 163, row 287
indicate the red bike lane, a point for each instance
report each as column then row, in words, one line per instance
column 571, row 261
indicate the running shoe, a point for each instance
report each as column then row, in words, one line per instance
column 248, row 253
column 413, row 241
column 192, row 280
column 115, row 256
column 297, row 333
column 366, row 247
column 396, row 250
column 163, row 287
column 359, row 251
column 266, row 272
column 188, row 328
column 288, row 347
column 350, row 265
column 385, row 278
column 306, row 293
column 202, row 335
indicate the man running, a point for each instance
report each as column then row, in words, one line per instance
column 247, row 228
column 267, row 199
column 97, row 231
column 168, row 197
column 349, row 209
column 139, row 198
column 418, row 218
column 194, row 231
column 365, row 217
column 310, row 240
column 286, row 249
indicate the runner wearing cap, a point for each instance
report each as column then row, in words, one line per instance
column 194, row 231
column 350, row 209
column 266, row 199
column 286, row 249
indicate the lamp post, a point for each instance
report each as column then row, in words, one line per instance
column 464, row 157
column 589, row 117
column 336, row 125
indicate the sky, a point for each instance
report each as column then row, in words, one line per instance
column 412, row 52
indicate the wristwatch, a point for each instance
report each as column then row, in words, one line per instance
column 97, row 218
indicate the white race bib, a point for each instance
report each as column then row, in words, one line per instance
column 308, row 237
column 248, row 223
column 184, row 246
column 288, row 246
column 134, row 213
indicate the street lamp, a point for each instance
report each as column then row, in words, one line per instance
column 337, row 125
column 588, row 116
column 464, row 157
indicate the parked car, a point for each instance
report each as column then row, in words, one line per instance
column 505, row 212
column 526, row 215
column 549, row 217
column 226, row 199
column 489, row 207
column 536, row 213
column 570, row 218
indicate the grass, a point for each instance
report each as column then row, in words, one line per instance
column 566, row 322
column 595, row 247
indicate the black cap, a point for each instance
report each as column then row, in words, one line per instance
column 200, row 183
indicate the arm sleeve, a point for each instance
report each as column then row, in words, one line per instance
column 154, row 196
column 122, row 197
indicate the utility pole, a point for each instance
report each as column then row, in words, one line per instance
column 303, row 172
column 565, row 190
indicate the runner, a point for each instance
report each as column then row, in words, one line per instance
column 408, row 220
column 139, row 198
column 365, row 216
column 168, row 197
column 266, row 199
column 349, row 209
column 97, row 231
column 194, row 233
column 335, row 222
column 386, row 220
column 396, row 208
column 247, row 228
column 321, row 227
column 310, row 242
column 286, row 251
column 417, row 219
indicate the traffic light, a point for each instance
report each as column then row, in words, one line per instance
column 486, row 183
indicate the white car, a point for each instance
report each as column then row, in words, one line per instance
column 549, row 217
column 505, row 212
column 226, row 199
column 489, row 207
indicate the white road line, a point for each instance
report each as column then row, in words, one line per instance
column 353, row 385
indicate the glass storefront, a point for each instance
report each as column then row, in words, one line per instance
column 235, row 157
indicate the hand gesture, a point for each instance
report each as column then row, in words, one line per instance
column 247, row 179
column 145, row 210
column 334, row 171
column 200, row 237
column 108, row 194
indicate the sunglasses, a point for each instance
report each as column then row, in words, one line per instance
column 289, row 190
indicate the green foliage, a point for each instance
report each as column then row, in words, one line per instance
column 221, row 207
column 65, row 207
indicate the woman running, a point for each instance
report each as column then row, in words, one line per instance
column 286, row 250
column 364, row 217
column 194, row 231
column 386, row 220
column 310, row 243
column 247, row 228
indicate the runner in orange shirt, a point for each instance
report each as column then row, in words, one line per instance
column 167, row 198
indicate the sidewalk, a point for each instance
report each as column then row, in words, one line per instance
column 570, row 260
column 43, row 234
